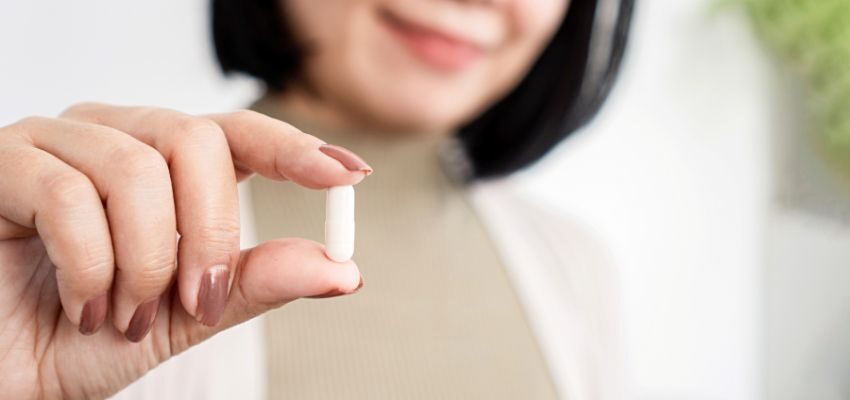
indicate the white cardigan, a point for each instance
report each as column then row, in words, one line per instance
column 560, row 273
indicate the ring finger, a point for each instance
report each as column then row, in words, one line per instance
column 133, row 180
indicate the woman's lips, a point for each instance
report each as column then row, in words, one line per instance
column 433, row 47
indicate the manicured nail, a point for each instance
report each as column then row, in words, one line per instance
column 94, row 313
column 142, row 321
column 212, row 295
column 337, row 292
column 332, row 293
column 346, row 157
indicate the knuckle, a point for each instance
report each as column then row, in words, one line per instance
column 80, row 108
column 189, row 125
column 96, row 268
column 140, row 161
column 155, row 270
column 200, row 133
column 244, row 116
column 30, row 122
column 225, row 231
column 221, row 236
column 67, row 190
column 86, row 276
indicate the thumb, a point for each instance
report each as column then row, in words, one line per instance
column 269, row 276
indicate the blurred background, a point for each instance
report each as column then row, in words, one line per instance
column 730, row 232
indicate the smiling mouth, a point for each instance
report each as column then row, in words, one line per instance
column 435, row 48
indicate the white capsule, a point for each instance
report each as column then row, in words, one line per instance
column 339, row 223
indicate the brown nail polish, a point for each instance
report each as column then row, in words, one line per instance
column 142, row 321
column 346, row 157
column 337, row 292
column 212, row 295
column 93, row 315
column 332, row 293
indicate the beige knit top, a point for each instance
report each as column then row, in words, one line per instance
column 437, row 317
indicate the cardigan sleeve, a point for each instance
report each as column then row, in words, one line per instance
column 569, row 288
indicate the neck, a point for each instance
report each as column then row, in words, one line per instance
column 323, row 112
column 317, row 111
column 386, row 152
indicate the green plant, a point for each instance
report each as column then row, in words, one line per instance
column 813, row 37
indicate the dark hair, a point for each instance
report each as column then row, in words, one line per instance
column 563, row 90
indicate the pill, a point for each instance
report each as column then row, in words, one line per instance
column 339, row 223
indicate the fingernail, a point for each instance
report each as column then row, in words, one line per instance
column 332, row 293
column 212, row 296
column 346, row 157
column 337, row 292
column 142, row 321
column 93, row 315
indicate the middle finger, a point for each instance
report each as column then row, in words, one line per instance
column 132, row 178
column 205, row 195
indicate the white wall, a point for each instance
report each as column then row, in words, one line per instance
column 675, row 175
column 158, row 52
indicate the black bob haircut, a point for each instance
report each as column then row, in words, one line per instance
column 562, row 92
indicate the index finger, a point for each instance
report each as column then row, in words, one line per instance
column 277, row 150
column 258, row 143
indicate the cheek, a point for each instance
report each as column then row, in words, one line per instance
column 322, row 27
column 532, row 24
column 426, row 99
column 342, row 56
column 537, row 18
column 355, row 64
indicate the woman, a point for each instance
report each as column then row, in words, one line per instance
column 472, row 293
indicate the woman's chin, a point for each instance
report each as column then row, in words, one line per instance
column 419, row 120
column 440, row 112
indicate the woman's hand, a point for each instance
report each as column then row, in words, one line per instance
column 95, row 288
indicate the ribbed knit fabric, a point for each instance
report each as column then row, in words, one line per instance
column 437, row 317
